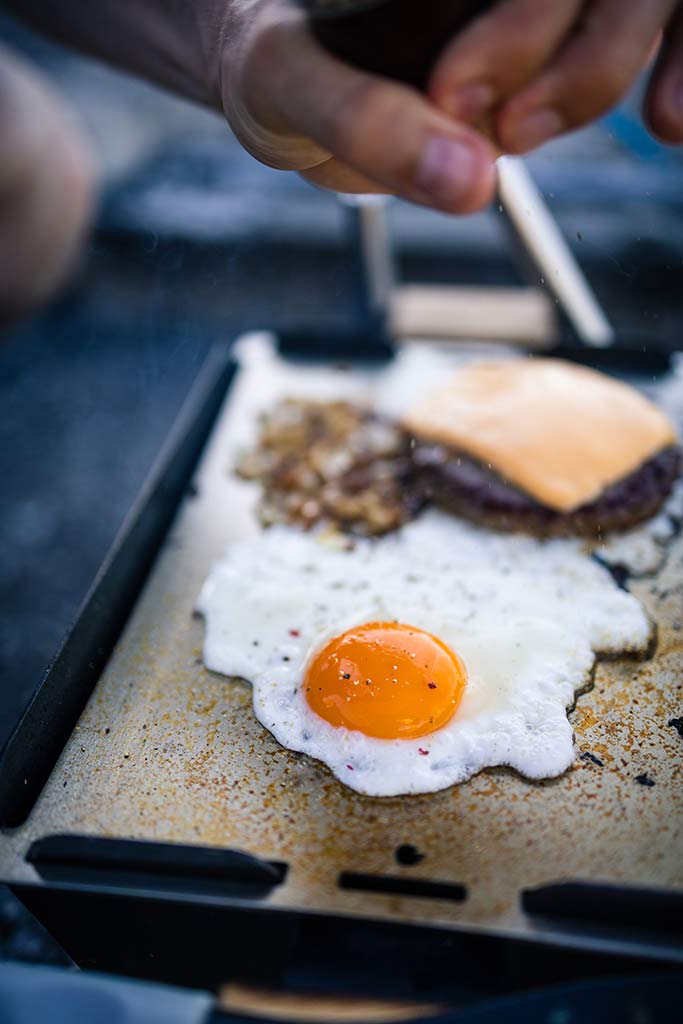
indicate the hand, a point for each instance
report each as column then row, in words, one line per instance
column 532, row 70
column 45, row 189
column 295, row 107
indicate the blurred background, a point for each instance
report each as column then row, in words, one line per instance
column 194, row 243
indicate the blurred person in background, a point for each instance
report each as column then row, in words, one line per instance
column 527, row 69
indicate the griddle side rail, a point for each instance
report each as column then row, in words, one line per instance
column 45, row 726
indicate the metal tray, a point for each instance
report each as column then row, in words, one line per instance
column 498, row 875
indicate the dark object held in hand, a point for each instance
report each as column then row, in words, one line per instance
column 400, row 39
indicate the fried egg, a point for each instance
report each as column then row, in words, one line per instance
column 409, row 663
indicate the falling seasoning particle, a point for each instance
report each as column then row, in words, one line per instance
column 645, row 780
column 126, row 756
column 587, row 756
column 285, row 657
column 432, row 686
column 254, row 643
column 295, row 632
column 579, row 236
column 677, row 724
column 107, row 731
column 422, row 751
column 346, row 675
column 350, row 767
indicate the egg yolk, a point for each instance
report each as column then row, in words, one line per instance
column 387, row 680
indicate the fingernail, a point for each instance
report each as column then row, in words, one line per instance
column 471, row 100
column 446, row 171
column 536, row 128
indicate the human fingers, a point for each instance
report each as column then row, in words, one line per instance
column 590, row 74
column 499, row 53
column 46, row 184
column 336, row 176
column 663, row 108
column 293, row 105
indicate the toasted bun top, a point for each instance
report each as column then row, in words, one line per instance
column 560, row 432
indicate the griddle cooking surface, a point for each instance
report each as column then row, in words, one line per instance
column 168, row 751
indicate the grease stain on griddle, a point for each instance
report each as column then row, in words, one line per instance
column 408, row 855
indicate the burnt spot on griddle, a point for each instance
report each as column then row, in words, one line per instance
column 677, row 724
column 645, row 780
column 587, row 756
column 408, row 855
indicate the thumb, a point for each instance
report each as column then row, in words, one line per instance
column 385, row 131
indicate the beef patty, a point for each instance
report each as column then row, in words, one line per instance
column 465, row 487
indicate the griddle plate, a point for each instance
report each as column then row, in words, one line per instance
column 166, row 750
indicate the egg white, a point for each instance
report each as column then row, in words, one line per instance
column 527, row 617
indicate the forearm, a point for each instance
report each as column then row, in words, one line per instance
column 174, row 43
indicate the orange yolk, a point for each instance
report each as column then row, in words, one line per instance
column 386, row 680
